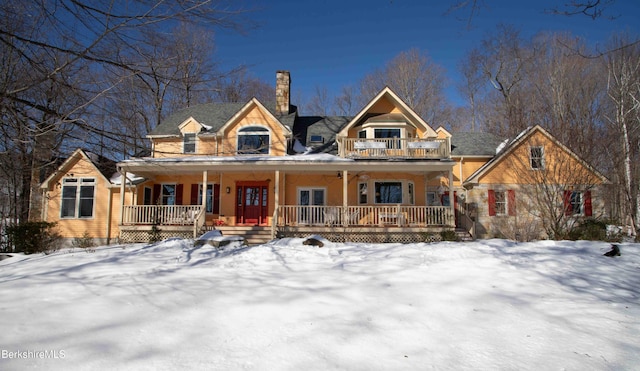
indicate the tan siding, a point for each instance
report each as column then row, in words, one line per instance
column 256, row 117
column 70, row 228
column 168, row 147
column 560, row 167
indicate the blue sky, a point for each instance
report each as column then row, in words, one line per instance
column 335, row 43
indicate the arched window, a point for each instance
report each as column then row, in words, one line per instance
column 253, row 140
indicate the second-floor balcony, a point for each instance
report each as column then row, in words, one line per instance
column 395, row 148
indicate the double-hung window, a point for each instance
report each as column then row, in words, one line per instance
column 189, row 143
column 536, row 157
column 78, row 196
column 502, row 202
column 168, row 194
column 577, row 203
column 211, row 206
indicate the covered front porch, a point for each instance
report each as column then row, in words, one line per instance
column 293, row 198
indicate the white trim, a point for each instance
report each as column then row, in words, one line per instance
column 80, row 181
column 239, row 133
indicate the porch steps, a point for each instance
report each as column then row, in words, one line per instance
column 254, row 235
column 463, row 235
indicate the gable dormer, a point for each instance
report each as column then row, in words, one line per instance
column 388, row 128
column 189, row 131
column 254, row 130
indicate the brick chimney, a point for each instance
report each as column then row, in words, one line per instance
column 283, row 96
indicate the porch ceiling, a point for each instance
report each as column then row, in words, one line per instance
column 147, row 168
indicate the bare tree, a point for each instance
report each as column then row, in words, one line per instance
column 417, row 80
column 554, row 186
column 472, row 86
column 345, row 102
column 623, row 90
column 52, row 59
column 239, row 86
column 320, row 102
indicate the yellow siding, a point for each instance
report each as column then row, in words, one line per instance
column 191, row 126
column 168, row 147
column 469, row 166
column 95, row 227
column 255, row 117
column 384, row 105
column 333, row 185
column 560, row 167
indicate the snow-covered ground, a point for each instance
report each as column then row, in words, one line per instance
column 490, row 305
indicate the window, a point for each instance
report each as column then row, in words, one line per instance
column 316, row 139
column 432, row 200
column 410, row 189
column 168, row 194
column 536, row 155
column 388, row 192
column 209, row 204
column 502, row 202
column 212, row 205
column 577, row 203
column 362, row 193
column 362, row 134
column 253, row 140
column 77, row 197
column 388, row 133
column 147, row 196
column 189, row 143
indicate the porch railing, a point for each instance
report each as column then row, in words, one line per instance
column 162, row 214
column 392, row 215
column 383, row 148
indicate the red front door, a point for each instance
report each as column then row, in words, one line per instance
column 252, row 201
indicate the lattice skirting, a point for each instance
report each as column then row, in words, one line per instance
column 136, row 236
column 368, row 237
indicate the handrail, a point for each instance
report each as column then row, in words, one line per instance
column 387, row 215
column 198, row 222
column 417, row 148
column 160, row 214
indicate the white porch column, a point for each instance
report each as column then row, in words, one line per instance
column 452, row 200
column 122, row 188
column 205, row 177
column 276, row 198
column 345, row 198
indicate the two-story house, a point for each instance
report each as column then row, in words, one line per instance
column 383, row 175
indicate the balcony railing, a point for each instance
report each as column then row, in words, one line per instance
column 162, row 214
column 385, row 148
column 392, row 215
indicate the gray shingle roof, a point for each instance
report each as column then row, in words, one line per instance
column 474, row 144
column 326, row 127
column 210, row 114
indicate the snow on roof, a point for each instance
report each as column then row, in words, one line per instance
column 132, row 178
column 316, row 157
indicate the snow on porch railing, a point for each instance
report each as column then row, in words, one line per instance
column 160, row 214
column 390, row 215
column 417, row 148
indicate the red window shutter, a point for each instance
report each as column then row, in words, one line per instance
column 588, row 210
column 216, row 198
column 179, row 190
column 156, row 194
column 492, row 202
column 567, row 203
column 194, row 194
column 511, row 202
